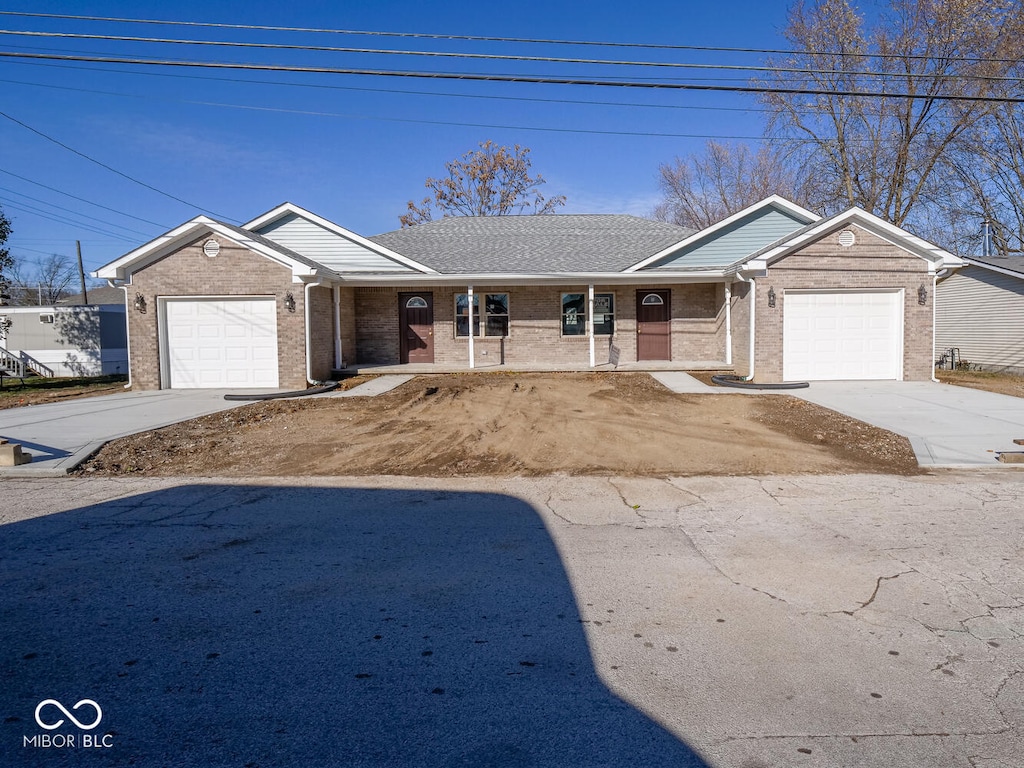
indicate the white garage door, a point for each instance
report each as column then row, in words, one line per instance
column 213, row 343
column 841, row 335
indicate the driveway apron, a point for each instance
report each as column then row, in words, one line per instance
column 947, row 425
column 59, row 436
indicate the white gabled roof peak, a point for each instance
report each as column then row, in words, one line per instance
column 772, row 201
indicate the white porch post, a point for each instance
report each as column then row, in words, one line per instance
column 472, row 355
column 590, row 321
column 728, row 324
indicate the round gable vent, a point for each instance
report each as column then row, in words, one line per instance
column 211, row 248
column 847, row 238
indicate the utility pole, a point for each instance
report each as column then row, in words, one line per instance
column 81, row 272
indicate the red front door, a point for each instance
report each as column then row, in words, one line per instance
column 653, row 326
column 416, row 327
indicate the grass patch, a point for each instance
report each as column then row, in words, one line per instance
column 38, row 383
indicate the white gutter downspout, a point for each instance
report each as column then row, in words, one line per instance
column 309, row 340
column 472, row 354
column 935, row 349
column 127, row 333
column 590, row 321
column 338, row 359
column 728, row 324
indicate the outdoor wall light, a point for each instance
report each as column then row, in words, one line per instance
column 922, row 295
column 140, row 303
column 289, row 302
column 771, row 297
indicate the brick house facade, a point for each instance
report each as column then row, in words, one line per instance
column 724, row 292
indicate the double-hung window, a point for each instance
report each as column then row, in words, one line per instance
column 574, row 314
column 491, row 321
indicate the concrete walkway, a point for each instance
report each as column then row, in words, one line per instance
column 373, row 387
column 60, row 436
column 948, row 426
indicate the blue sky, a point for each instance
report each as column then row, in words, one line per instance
column 351, row 148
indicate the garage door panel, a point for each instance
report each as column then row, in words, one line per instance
column 841, row 335
column 220, row 342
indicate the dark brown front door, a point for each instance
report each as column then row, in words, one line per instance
column 416, row 327
column 653, row 328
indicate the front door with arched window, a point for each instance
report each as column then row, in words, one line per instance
column 653, row 325
column 416, row 327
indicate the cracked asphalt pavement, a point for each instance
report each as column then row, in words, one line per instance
column 728, row 622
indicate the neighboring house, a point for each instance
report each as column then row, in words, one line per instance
column 62, row 340
column 980, row 313
column 773, row 292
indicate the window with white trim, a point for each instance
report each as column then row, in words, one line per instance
column 492, row 321
column 574, row 314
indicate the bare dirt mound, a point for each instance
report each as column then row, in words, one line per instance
column 516, row 424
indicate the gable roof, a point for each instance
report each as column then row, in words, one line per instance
column 937, row 257
column 727, row 256
column 531, row 244
column 99, row 294
column 289, row 210
column 157, row 248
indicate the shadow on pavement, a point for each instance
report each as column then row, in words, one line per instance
column 258, row 626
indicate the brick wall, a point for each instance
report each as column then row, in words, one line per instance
column 321, row 308
column 535, row 335
column 235, row 271
column 825, row 264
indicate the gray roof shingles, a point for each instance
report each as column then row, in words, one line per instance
column 1011, row 263
column 575, row 243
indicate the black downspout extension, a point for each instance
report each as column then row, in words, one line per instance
column 728, row 380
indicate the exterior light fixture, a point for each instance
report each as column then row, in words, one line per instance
column 771, row 297
column 289, row 302
column 922, row 295
column 140, row 303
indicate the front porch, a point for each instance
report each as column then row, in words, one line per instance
column 358, row 369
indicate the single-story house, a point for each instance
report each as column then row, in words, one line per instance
column 774, row 293
column 980, row 313
column 66, row 339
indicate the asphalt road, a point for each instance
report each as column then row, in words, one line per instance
column 812, row 621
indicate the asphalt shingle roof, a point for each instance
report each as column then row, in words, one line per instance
column 1009, row 263
column 533, row 244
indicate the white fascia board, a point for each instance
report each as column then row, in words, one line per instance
column 936, row 257
column 558, row 278
column 774, row 201
column 286, row 208
column 141, row 257
column 1019, row 274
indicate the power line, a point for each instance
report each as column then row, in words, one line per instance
column 74, row 213
column 107, row 167
column 533, row 80
column 24, row 208
column 492, row 56
column 483, row 38
column 76, row 197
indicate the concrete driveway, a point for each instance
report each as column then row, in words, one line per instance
column 62, row 435
column 781, row 622
column 948, row 426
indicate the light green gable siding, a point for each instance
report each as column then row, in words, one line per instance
column 737, row 241
column 326, row 247
column 981, row 312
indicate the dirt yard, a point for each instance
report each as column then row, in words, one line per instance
column 14, row 394
column 516, row 424
column 1001, row 383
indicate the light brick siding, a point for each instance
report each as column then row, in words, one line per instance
column 321, row 321
column 871, row 263
column 235, row 271
column 741, row 328
column 535, row 332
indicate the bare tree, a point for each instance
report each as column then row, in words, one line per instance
column 705, row 188
column 47, row 282
column 880, row 133
column 6, row 262
column 490, row 181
